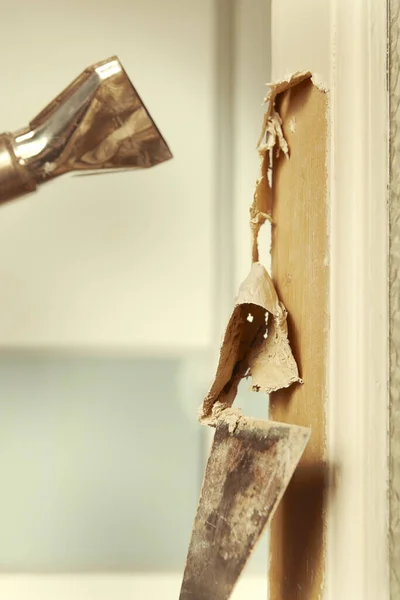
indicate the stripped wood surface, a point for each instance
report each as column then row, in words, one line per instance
column 300, row 270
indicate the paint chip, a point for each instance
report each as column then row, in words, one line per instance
column 250, row 318
column 270, row 141
column 251, row 351
column 49, row 167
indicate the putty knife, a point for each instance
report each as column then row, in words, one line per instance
column 249, row 468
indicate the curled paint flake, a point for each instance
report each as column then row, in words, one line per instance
column 274, row 135
column 248, row 350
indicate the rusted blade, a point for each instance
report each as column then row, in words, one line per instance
column 249, row 468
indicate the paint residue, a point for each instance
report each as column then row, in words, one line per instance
column 256, row 341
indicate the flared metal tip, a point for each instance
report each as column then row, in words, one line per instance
column 98, row 122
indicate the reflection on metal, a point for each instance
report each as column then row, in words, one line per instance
column 97, row 122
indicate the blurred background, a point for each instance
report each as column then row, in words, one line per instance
column 115, row 289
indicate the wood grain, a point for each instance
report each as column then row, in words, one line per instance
column 394, row 299
column 300, row 271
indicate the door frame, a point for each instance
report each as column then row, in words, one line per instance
column 358, row 404
column 345, row 45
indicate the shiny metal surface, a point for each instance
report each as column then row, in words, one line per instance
column 98, row 122
column 15, row 179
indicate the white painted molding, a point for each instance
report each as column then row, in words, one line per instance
column 357, row 525
column 344, row 43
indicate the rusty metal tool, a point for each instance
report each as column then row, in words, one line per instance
column 249, row 468
column 98, row 122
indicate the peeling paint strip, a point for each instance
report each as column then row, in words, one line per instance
column 247, row 351
column 256, row 341
column 271, row 137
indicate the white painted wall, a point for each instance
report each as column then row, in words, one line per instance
column 252, row 72
column 119, row 261
column 301, row 38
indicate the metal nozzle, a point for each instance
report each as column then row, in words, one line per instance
column 98, row 122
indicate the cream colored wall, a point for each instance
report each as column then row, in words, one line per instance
column 120, row 261
column 252, row 72
column 301, row 38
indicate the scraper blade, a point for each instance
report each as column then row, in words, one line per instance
column 249, row 468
